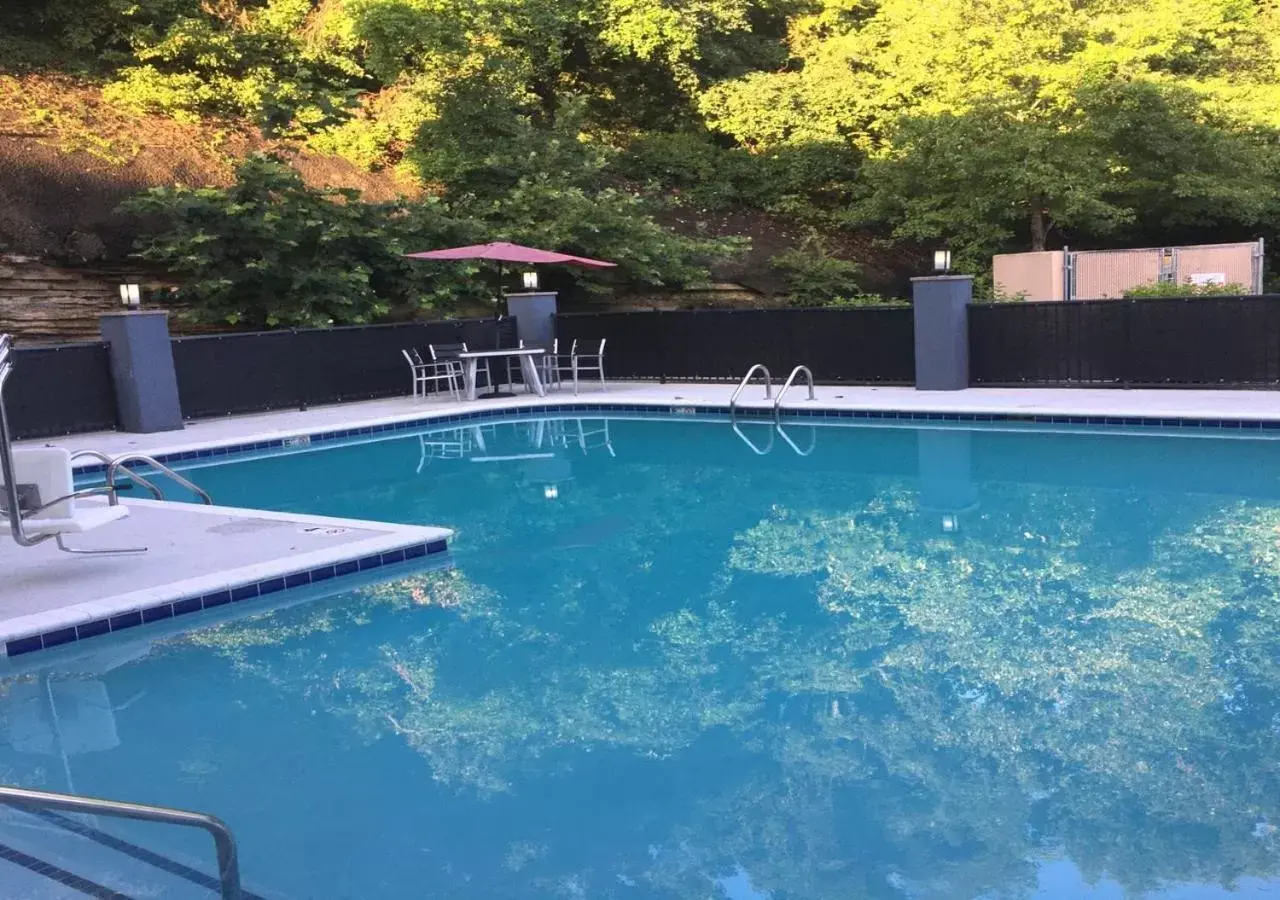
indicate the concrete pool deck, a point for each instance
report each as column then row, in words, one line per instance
column 198, row 558
column 199, row 554
column 1211, row 405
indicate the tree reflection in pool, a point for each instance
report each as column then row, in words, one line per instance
column 916, row 663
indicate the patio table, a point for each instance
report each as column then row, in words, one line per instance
column 471, row 361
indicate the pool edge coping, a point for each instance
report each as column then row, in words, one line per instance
column 393, row 544
column 286, row 439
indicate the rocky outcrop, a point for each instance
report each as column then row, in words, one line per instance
column 42, row 303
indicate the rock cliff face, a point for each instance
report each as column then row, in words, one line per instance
column 40, row 302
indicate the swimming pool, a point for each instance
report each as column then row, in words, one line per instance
column 916, row 662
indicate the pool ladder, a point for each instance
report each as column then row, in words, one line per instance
column 768, row 388
column 777, row 409
column 120, row 464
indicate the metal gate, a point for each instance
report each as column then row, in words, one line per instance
column 1100, row 274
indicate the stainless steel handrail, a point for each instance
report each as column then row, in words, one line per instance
column 119, row 463
column 113, row 499
column 777, row 404
column 768, row 385
column 223, row 841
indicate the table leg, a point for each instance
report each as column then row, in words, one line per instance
column 531, row 375
column 469, row 375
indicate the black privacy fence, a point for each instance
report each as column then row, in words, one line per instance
column 60, row 390
column 1227, row 341
column 838, row 345
column 237, row 373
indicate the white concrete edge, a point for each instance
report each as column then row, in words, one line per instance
column 388, row 538
column 91, row 654
column 936, row 402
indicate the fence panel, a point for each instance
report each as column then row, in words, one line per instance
column 238, row 373
column 60, row 390
column 839, row 345
column 1210, row 341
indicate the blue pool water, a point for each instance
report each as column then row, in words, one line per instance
column 915, row 663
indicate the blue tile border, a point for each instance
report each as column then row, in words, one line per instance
column 174, row 608
column 666, row 408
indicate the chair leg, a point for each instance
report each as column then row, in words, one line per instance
column 62, row 546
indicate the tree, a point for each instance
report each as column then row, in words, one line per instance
column 1001, row 122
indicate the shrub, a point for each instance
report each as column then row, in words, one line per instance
column 815, row 275
column 1185, row 289
column 703, row 174
column 269, row 251
column 202, row 68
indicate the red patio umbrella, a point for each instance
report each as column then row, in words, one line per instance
column 504, row 252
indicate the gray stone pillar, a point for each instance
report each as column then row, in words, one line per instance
column 142, row 367
column 941, row 304
column 535, row 315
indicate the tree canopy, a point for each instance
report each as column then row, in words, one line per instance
column 995, row 125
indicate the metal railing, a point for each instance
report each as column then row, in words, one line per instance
column 777, row 404
column 746, row 379
column 121, row 463
column 117, row 464
column 223, row 841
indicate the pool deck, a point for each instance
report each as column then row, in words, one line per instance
column 197, row 558
column 1211, row 405
column 204, row 556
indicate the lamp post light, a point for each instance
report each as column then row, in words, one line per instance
column 130, row 296
column 942, row 261
column 530, row 281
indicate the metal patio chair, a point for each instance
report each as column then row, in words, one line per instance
column 429, row 373
column 555, row 364
column 447, row 355
column 589, row 362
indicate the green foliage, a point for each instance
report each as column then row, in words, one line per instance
column 606, row 224
column 271, row 252
column 1186, row 289
column 816, row 276
column 200, row 68
column 1006, row 123
column 697, row 171
column 996, row 125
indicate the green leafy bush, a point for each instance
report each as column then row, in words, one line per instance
column 269, row 251
column 702, row 173
column 1185, row 289
column 200, row 67
column 815, row 275
column 606, row 224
